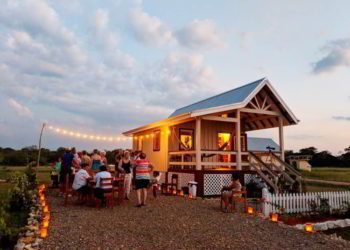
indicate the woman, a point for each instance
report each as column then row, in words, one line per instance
column 125, row 166
column 142, row 178
column 96, row 161
column 229, row 191
column 103, row 158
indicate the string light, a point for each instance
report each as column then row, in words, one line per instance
column 104, row 138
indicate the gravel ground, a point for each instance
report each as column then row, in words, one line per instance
column 172, row 223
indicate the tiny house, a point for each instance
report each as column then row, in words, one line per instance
column 207, row 141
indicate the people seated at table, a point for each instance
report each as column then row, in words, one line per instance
column 125, row 166
column 99, row 189
column 143, row 169
column 96, row 160
column 80, row 183
column 228, row 192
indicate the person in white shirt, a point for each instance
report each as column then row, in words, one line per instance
column 80, row 180
column 99, row 189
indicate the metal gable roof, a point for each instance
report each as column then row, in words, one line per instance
column 261, row 144
column 233, row 96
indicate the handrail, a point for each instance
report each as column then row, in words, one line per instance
column 263, row 164
column 291, row 169
column 182, row 152
column 271, row 183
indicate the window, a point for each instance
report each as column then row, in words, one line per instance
column 156, row 140
column 186, row 139
column 224, row 141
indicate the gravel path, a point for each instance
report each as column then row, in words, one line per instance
column 172, row 223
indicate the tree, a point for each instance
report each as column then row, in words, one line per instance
column 308, row 151
column 347, row 150
column 325, row 159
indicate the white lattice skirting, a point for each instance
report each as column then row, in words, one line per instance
column 213, row 183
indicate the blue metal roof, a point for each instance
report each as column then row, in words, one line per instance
column 233, row 96
column 261, row 144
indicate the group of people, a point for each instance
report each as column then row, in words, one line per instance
column 81, row 168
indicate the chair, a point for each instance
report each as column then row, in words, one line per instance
column 108, row 194
column 119, row 188
column 173, row 185
column 236, row 197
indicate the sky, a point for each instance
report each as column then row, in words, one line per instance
column 104, row 67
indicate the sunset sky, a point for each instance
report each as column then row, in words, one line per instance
column 103, row 67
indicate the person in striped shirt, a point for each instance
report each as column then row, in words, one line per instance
column 143, row 169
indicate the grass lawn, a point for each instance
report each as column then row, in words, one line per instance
column 328, row 174
column 43, row 173
column 319, row 187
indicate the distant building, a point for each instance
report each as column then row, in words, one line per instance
column 300, row 162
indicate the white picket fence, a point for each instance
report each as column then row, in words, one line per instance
column 298, row 203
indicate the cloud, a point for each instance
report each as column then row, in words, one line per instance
column 304, row 137
column 152, row 31
column 337, row 55
column 149, row 29
column 20, row 109
column 200, row 34
column 178, row 78
column 36, row 17
column 341, row 118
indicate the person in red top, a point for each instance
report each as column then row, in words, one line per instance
column 143, row 169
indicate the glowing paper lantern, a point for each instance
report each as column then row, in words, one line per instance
column 47, row 216
column 309, row 227
column 42, row 198
column 45, row 224
column 274, row 217
column 43, row 232
column 43, row 203
column 250, row 210
column 46, row 209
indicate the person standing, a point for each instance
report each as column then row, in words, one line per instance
column 85, row 159
column 125, row 166
column 66, row 168
column 143, row 168
column 96, row 160
column 104, row 158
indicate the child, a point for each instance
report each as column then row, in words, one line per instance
column 155, row 183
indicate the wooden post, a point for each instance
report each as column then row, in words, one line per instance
column 198, row 144
column 39, row 149
column 281, row 136
column 238, row 141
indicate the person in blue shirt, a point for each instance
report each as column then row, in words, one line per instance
column 66, row 167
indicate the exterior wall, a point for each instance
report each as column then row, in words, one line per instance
column 209, row 131
column 159, row 159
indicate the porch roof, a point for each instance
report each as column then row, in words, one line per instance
column 256, row 144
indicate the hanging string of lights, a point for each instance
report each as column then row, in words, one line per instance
column 94, row 137
column 86, row 136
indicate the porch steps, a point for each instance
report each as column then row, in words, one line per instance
column 279, row 175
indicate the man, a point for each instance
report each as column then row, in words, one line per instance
column 143, row 169
column 80, row 181
column 85, row 159
column 99, row 189
column 66, row 168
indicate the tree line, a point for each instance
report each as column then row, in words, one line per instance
column 26, row 155
column 324, row 158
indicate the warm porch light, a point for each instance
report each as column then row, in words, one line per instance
column 274, row 217
column 174, row 192
column 190, row 196
column 181, row 193
column 309, row 227
column 46, row 209
column 250, row 210
column 43, row 232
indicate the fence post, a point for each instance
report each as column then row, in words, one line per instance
column 266, row 200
